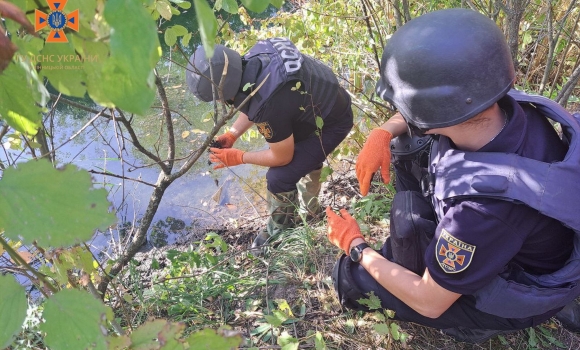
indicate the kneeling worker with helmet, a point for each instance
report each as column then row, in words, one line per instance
column 299, row 108
column 484, row 230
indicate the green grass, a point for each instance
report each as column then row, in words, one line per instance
column 285, row 297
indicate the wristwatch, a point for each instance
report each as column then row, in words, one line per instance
column 356, row 252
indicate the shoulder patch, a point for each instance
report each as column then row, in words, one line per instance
column 265, row 129
column 452, row 254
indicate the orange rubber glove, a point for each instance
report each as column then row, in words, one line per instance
column 226, row 140
column 226, row 156
column 342, row 230
column 376, row 153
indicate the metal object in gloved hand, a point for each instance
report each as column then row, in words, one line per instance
column 308, row 190
column 226, row 140
column 282, row 209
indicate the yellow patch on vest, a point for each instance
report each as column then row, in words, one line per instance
column 265, row 129
column 453, row 255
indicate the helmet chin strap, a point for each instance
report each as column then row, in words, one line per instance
column 415, row 131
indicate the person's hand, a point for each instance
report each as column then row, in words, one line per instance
column 376, row 153
column 342, row 230
column 226, row 140
column 226, row 157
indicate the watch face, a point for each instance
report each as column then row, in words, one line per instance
column 355, row 254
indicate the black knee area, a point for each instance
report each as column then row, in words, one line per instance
column 344, row 285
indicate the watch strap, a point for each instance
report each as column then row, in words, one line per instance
column 362, row 246
column 359, row 249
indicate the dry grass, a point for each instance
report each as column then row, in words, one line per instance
column 297, row 270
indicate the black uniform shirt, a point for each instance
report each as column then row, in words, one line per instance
column 290, row 110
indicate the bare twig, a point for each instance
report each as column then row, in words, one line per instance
column 18, row 259
column 137, row 144
column 120, row 177
column 168, row 121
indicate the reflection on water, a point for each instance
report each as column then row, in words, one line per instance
column 202, row 197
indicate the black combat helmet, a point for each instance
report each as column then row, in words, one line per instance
column 445, row 67
column 198, row 73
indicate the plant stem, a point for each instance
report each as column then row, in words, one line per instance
column 18, row 259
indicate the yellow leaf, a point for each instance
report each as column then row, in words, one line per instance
column 184, row 134
column 198, row 131
column 15, row 244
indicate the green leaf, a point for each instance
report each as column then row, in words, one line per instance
column 262, row 328
column 381, row 328
column 19, row 89
column 532, row 340
column 28, row 46
column 380, row 317
column 170, row 37
column 284, row 307
column 33, row 144
column 155, row 264
column 95, row 54
column 80, row 258
column 319, row 122
column 75, row 320
column 257, row 6
column 277, row 318
column 179, row 30
column 153, row 334
column 12, row 309
column 61, row 268
column 53, row 207
column 395, row 331
column 207, row 25
column 548, row 335
column 118, row 342
column 164, row 9
column 319, row 342
column 186, row 38
column 209, row 339
column 326, row 172
column 277, row 3
column 65, row 69
column 230, row 6
column 373, row 302
column 86, row 9
column 288, row 342
column 127, row 76
column 184, row 5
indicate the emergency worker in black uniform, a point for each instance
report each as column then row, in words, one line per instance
column 300, row 110
column 448, row 73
